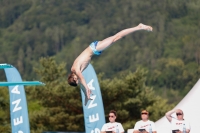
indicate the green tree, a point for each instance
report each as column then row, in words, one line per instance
column 173, row 78
column 31, row 29
column 129, row 95
column 58, row 105
column 4, row 111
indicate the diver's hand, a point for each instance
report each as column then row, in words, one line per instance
column 88, row 91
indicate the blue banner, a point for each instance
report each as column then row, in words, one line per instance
column 18, row 105
column 93, row 109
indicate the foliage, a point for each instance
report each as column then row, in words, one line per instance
column 58, row 106
column 33, row 29
column 128, row 95
column 4, row 111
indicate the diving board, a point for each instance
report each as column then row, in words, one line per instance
column 27, row 83
column 3, row 66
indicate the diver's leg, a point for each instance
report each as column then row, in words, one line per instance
column 108, row 41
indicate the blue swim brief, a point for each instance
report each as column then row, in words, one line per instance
column 93, row 47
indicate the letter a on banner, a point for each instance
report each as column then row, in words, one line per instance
column 18, row 105
column 93, row 109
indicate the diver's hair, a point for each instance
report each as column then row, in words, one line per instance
column 71, row 80
column 114, row 112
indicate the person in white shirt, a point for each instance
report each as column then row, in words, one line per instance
column 112, row 126
column 144, row 125
column 177, row 124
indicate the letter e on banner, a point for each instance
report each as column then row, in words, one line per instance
column 93, row 119
column 18, row 121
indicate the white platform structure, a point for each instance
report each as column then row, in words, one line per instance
column 190, row 105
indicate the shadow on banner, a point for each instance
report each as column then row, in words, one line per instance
column 93, row 109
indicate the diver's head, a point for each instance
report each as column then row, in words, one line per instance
column 73, row 79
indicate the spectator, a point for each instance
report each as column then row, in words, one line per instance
column 112, row 126
column 178, row 124
column 144, row 125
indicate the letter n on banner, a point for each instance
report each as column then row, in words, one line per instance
column 18, row 105
column 93, row 111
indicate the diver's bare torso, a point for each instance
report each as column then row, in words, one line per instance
column 82, row 60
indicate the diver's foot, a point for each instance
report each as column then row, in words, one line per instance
column 145, row 27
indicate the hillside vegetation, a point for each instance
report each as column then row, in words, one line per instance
column 152, row 70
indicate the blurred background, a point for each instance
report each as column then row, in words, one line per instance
column 144, row 70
